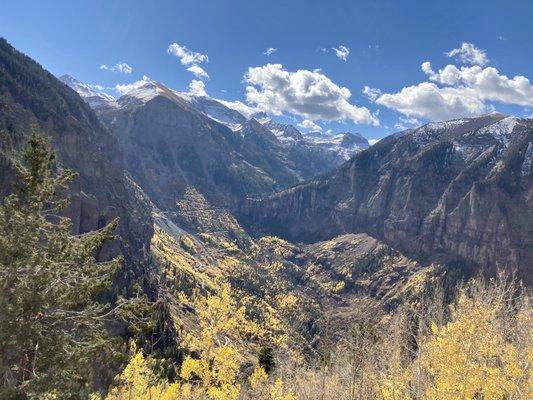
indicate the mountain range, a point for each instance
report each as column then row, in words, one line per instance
column 199, row 186
column 455, row 191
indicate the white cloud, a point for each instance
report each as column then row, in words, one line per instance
column 342, row 52
column 186, row 56
column 198, row 72
column 371, row 93
column 485, row 84
column 310, row 125
column 309, row 94
column 123, row 89
column 469, row 54
column 118, row 67
column 239, row 106
column 426, row 67
column 449, row 75
column 197, row 88
column 454, row 92
column 269, row 51
column 427, row 100
column 372, row 142
column 406, row 123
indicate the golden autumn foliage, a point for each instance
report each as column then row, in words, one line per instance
column 216, row 358
column 473, row 356
column 137, row 381
column 481, row 349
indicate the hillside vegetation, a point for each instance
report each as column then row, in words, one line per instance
column 249, row 319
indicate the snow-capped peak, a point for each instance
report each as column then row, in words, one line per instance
column 144, row 90
column 345, row 144
column 92, row 94
column 284, row 132
column 215, row 110
column 501, row 130
column 261, row 117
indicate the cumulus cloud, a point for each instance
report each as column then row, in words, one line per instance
column 198, row 72
column 190, row 58
column 186, row 56
column 269, row 51
column 448, row 75
column 310, row 125
column 342, row 52
column 469, row 54
column 486, row 84
column 197, row 88
column 118, row 67
column 453, row 92
column 123, row 89
column 427, row 100
column 371, row 93
column 309, row 94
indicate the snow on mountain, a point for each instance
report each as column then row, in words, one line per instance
column 144, row 91
column 501, row 130
column 480, row 131
column 527, row 164
column 94, row 97
column 284, row 132
column 345, row 144
column 216, row 110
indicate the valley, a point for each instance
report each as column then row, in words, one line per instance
column 273, row 263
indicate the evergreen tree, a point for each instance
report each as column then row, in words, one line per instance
column 51, row 328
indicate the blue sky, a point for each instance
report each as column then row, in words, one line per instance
column 388, row 43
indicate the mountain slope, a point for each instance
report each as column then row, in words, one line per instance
column 30, row 95
column 307, row 156
column 279, row 150
column 458, row 190
column 168, row 146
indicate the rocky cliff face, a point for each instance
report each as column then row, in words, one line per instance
column 458, row 190
column 30, row 95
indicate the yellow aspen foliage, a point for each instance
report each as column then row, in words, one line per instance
column 278, row 392
column 470, row 358
column 261, row 388
column 394, row 384
column 525, row 339
column 217, row 358
column 137, row 381
column 258, row 378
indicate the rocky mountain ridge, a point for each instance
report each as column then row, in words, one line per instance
column 309, row 154
column 457, row 191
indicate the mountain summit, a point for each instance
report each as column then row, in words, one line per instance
column 93, row 96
